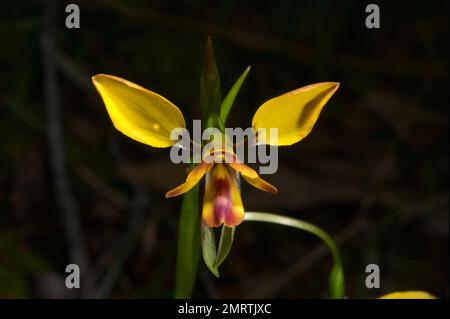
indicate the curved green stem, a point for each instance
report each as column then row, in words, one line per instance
column 337, row 275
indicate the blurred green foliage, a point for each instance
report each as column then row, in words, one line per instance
column 391, row 76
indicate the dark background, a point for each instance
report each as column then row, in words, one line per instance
column 373, row 173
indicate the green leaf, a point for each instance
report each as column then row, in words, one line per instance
column 336, row 283
column 225, row 243
column 210, row 94
column 212, row 258
column 228, row 101
column 213, row 121
column 209, row 249
column 188, row 244
column 221, row 124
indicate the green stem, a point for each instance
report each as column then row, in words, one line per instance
column 336, row 277
column 188, row 251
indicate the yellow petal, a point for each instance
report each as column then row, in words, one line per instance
column 261, row 184
column 251, row 176
column 408, row 295
column 294, row 113
column 137, row 112
column 222, row 201
column 192, row 179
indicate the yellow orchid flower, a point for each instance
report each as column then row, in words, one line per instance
column 413, row 294
column 150, row 118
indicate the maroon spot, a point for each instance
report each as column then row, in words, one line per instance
column 222, row 201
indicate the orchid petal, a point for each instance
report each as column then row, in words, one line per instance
column 408, row 295
column 293, row 114
column 222, row 202
column 192, row 179
column 251, row 176
column 137, row 112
